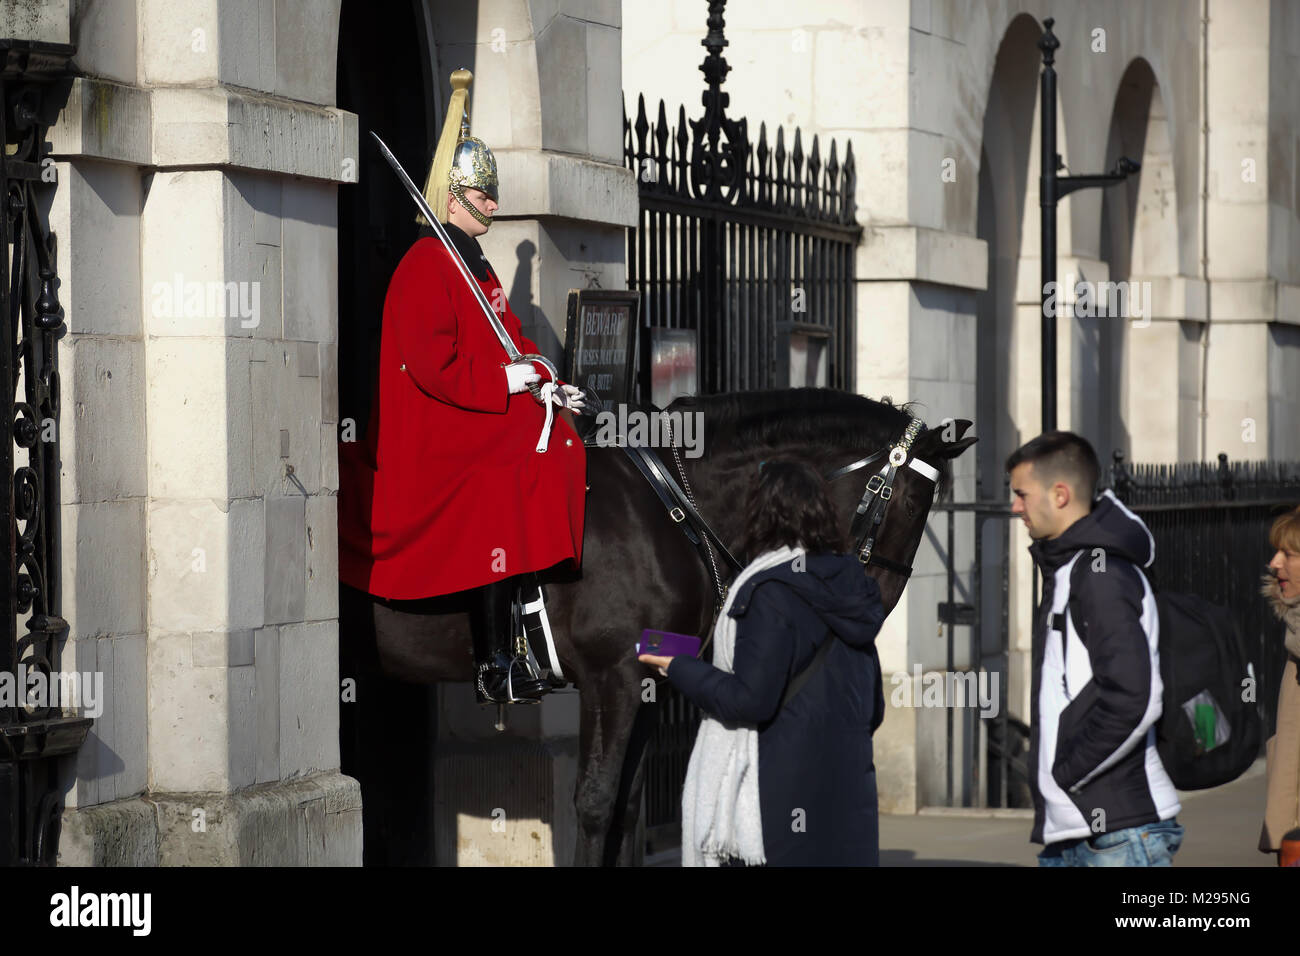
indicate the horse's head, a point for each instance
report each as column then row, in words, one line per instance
column 915, row 490
column 829, row 430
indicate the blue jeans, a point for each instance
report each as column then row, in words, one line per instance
column 1152, row 844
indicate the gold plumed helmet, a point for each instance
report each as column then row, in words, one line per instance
column 461, row 161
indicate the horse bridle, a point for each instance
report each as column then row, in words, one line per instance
column 879, row 492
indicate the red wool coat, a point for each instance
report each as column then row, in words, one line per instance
column 447, row 491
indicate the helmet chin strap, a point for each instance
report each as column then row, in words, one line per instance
column 458, row 191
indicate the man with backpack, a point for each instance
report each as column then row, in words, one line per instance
column 1102, row 796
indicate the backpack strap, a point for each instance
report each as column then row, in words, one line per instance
column 1059, row 621
column 802, row 677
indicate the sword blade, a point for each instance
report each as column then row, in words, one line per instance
column 489, row 313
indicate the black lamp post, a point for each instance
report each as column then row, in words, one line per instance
column 1051, row 188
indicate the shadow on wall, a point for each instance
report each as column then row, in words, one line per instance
column 534, row 321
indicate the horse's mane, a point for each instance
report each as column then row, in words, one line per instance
column 805, row 416
column 816, row 416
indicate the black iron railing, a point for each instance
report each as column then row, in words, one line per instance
column 34, row 730
column 747, row 244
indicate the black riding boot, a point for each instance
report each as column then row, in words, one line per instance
column 500, row 672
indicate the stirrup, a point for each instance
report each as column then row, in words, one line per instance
column 536, row 627
column 510, row 696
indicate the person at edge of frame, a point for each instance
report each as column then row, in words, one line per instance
column 448, row 491
column 1101, row 795
column 1281, row 831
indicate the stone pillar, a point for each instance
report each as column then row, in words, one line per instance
column 1161, row 412
column 200, row 160
column 1250, row 211
column 916, row 342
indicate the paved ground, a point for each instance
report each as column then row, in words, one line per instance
column 1222, row 830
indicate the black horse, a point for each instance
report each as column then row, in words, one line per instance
column 640, row 571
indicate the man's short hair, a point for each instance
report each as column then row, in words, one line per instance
column 1061, row 456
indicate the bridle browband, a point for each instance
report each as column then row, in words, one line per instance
column 879, row 492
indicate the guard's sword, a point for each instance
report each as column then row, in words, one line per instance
column 516, row 357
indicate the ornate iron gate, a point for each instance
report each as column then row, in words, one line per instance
column 753, row 249
column 34, row 731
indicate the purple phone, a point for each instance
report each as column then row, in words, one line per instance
column 667, row 644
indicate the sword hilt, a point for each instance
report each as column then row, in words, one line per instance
column 536, row 387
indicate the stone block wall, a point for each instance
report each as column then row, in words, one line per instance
column 199, row 158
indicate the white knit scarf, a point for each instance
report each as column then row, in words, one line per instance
column 720, row 806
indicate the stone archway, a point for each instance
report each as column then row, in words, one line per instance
column 1007, row 153
column 1005, row 160
column 1140, row 242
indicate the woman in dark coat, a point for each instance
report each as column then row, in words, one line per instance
column 816, row 781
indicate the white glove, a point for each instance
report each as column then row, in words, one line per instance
column 519, row 377
column 570, row 397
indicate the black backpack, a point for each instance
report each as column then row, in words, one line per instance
column 1208, row 734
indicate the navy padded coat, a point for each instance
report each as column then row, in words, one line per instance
column 816, row 776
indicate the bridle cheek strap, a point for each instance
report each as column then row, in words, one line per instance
column 870, row 513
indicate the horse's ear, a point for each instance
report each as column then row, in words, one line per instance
column 948, row 430
column 953, row 449
column 946, row 439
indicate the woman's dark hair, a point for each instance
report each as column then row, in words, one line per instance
column 789, row 506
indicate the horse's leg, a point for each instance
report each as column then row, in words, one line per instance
column 610, row 702
column 587, row 798
column 627, row 807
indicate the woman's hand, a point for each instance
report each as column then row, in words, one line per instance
column 654, row 660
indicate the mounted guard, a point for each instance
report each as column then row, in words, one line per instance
column 466, row 478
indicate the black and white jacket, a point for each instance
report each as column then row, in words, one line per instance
column 1093, row 765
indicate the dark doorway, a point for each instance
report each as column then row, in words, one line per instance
column 384, row 77
column 388, row 729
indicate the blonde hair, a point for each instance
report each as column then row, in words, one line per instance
column 1285, row 533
